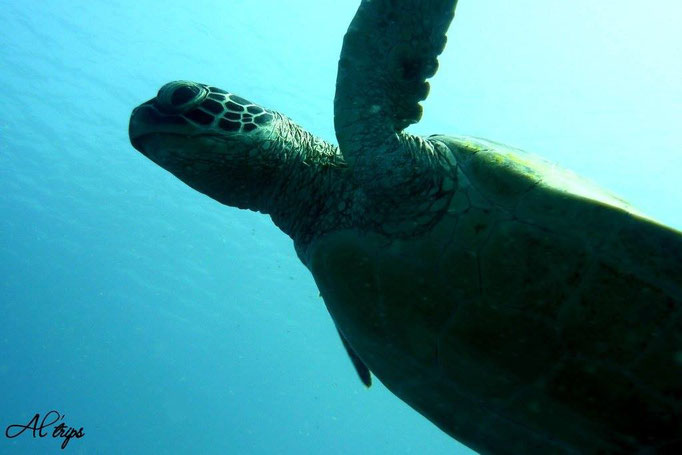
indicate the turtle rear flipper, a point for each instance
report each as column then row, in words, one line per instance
column 359, row 365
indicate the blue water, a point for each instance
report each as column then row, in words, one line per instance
column 164, row 322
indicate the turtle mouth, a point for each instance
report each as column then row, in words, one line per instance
column 144, row 143
column 146, row 122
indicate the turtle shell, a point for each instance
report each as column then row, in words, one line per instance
column 540, row 315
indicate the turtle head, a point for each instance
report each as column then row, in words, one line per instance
column 214, row 141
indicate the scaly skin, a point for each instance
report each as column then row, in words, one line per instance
column 280, row 169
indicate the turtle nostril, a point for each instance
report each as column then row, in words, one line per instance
column 180, row 96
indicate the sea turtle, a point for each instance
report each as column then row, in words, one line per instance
column 518, row 307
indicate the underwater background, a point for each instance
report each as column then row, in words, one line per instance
column 163, row 322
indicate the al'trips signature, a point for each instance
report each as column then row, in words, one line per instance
column 36, row 425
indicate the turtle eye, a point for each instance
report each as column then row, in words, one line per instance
column 180, row 96
column 184, row 94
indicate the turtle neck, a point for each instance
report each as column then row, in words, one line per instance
column 300, row 182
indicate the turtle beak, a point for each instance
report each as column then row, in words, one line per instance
column 140, row 120
column 162, row 114
column 148, row 119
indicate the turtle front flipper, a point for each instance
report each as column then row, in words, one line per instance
column 389, row 51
